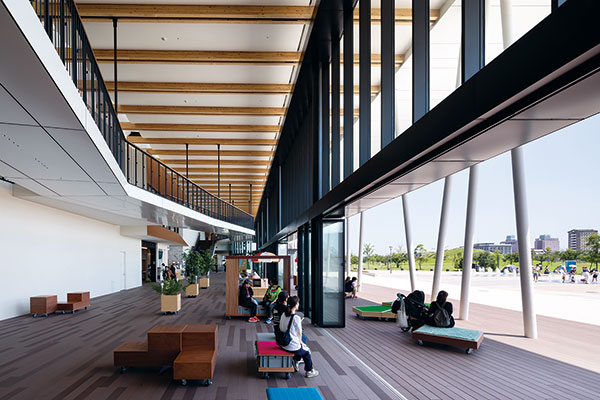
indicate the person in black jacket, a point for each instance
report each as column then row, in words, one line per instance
column 246, row 299
column 440, row 302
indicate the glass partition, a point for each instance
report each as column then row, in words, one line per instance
column 332, row 285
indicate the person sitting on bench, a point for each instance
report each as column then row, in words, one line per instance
column 440, row 312
column 348, row 287
column 292, row 322
column 246, row 299
column 269, row 298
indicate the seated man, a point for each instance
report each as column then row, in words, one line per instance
column 348, row 287
column 246, row 299
column 440, row 312
column 270, row 297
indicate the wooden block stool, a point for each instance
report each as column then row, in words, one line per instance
column 75, row 301
column 42, row 305
column 198, row 356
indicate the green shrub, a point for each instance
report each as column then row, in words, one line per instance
column 169, row 287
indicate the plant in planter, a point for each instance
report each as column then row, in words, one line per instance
column 170, row 299
column 193, row 262
column 206, row 264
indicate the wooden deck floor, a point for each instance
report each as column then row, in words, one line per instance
column 68, row 357
column 507, row 366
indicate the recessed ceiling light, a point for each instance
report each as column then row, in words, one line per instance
column 185, row 100
column 164, row 39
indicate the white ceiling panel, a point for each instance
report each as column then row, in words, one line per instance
column 199, row 73
column 72, row 188
column 196, row 36
column 11, row 112
column 225, row 135
column 8, row 172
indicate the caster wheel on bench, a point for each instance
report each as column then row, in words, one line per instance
column 420, row 342
column 287, row 375
column 183, row 382
column 469, row 351
column 228, row 318
column 265, row 375
column 34, row 315
column 206, row 382
column 122, row 369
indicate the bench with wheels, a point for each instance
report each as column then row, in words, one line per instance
column 304, row 393
column 272, row 358
column 198, row 356
column 379, row 312
column 75, row 301
column 42, row 305
column 468, row 339
column 162, row 347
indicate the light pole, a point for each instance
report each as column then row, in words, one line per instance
column 390, row 262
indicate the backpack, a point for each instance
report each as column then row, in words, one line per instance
column 441, row 317
column 284, row 338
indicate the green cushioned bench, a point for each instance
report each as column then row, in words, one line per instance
column 389, row 304
column 467, row 338
column 381, row 312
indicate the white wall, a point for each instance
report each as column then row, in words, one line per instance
column 48, row 251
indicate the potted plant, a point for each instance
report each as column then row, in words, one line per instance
column 170, row 299
column 193, row 261
column 206, row 264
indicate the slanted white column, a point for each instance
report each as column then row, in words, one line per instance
column 360, row 249
column 410, row 249
column 348, row 252
column 521, row 211
column 441, row 243
column 465, row 286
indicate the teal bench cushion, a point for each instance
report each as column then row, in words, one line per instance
column 457, row 333
column 293, row 394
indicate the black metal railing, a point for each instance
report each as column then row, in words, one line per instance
column 65, row 29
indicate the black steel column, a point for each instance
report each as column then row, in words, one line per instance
column 335, row 108
column 317, row 153
column 365, row 81
column 115, row 65
column 230, row 192
column 187, row 170
column 324, row 111
column 219, row 170
column 420, row 54
column 279, row 222
column 557, row 3
column 348, row 88
column 473, row 38
column 388, row 71
column 250, row 206
column 62, row 30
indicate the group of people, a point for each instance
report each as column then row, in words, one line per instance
column 351, row 287
column 171, row 271
column 281, row 313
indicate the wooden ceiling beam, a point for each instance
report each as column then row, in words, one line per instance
column 214, row 162
column 403, row 16
column 201, row 141
column 198, row 57
column 195, row 13
column 189, row 110
column 212, row 88
column 200, row 182
column 131, row 126
column 211, row 153
column 200, row 170
column 215, row 177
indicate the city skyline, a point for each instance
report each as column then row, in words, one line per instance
column 562, row 185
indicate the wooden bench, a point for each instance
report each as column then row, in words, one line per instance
column 459, row 337
column 75, row 301
column 161, row 349
column 42, row 305
column 379, row 312
column 272, row 358
column 304, row 393
column 198, row 356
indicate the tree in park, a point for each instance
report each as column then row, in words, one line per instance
column 485, row 259
column 420, row 254
column 511, row 258
column 368, row 250
column 354, row 259
column 569, row 254
column 592, row 253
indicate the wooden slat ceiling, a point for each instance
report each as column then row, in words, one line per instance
column 242, row 113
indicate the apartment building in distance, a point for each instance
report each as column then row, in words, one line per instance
column 546, row 241
column 578, row 238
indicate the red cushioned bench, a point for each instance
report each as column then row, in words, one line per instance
column 272, row 358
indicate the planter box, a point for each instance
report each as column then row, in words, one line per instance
column 192, row 290
column 204, row 282
column 170, row 303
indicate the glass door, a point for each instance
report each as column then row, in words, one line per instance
column 330, row 279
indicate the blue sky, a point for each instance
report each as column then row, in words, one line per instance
column 563, row 189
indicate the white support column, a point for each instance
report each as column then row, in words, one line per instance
column 521, row 211
column 348, row 252
column 468, row 247
column 522, row 214
column 360, row 248
column 441, row 243
column 410, row 250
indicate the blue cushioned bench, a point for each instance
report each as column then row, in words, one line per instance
column 293, row 394
column 466, row 338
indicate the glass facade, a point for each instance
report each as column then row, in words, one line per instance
column 332, row 273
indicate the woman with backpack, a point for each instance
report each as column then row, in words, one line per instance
column 440, row 312
column 289, row 337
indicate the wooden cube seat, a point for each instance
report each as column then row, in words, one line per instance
column 42, row 305
column 195, row 365
column 304, row 393
column 75, row 301
column 131, row 354
column 466, row 338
